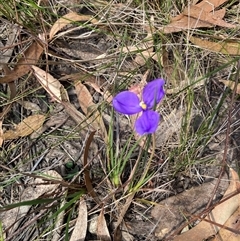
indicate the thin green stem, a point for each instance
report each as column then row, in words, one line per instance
column 147, row 167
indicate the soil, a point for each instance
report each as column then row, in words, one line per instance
column 58, row 145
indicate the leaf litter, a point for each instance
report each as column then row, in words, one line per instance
column 25, row 127
column 80, row 229
column 69, row 18
column 220, row 214
column 227, row 47
column 201, row 15
column 12, row 219
column 49, row 83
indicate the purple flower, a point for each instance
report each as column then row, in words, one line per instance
column 128, row 103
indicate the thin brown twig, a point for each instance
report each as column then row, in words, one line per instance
column 203, row 213
column 86, row 171
column 209, row 206
column 224, row 160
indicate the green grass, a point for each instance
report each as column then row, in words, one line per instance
column 120, row 163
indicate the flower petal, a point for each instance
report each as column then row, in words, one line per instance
column 153, row 92
column 127, row 103
column 147, row 123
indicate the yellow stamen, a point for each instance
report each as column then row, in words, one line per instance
column 143, row 105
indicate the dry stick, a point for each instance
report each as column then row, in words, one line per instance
column 223, row 169
column 224, row 160
column 26, row 225
column 221, row 225
column 39, row 212
column 122, row 214
column 87, row 178
column 77, row 116
column 203, row 213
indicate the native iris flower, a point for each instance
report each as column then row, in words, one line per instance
column 128, row 103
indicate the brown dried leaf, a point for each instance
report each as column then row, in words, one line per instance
column 80, row 229
column 69, row 18
column 183, row 24
column 175, row 210
column 102, row 229
column 106, row 94
column 210, row 5
column 30, row 124
column 202, row 15
column 231, row 85
column 84, row 97
column 234, row 223
column 224, row 47
column 220, row 214
column 49, row 83
column 25, row 128
column 89, row 108
column 23, row 66
column 197, row 16
column 10, row 135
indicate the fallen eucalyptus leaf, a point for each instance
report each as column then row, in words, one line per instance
column 80, row 229
column 49, row 83
column 89, row 108
column 102, row 229
column 69, row 18
column 224, row 46
column 220, row 214
column 210, row 5
column 29, row 105
column 23, row 66
column 234, row 223
column 25, row 128
column 199, row 15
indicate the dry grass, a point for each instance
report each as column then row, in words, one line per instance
column 194, row 112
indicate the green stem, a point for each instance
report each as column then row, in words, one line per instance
column 143, row 177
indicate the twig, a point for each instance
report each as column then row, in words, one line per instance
column 224, row 160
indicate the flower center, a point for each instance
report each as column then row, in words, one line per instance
column 143, row 105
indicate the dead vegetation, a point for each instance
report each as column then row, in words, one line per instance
column 71, row 167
